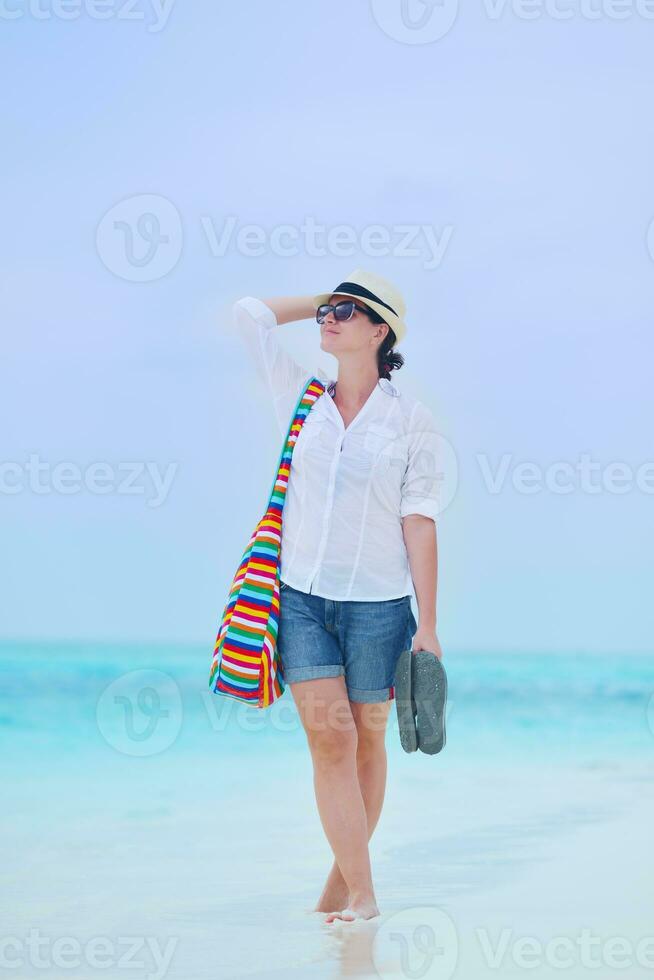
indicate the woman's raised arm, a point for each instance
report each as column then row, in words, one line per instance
column 255, row 321
column 290, row 308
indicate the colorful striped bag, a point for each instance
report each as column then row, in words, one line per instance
column 246, row 663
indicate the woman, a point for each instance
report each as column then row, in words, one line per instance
column 358, row 533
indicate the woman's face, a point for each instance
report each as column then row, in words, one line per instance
column 352, row 334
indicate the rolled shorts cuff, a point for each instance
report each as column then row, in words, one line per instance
column 367, row 697
column 310, row 673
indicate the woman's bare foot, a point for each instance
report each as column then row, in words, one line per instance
column 331, row 901
column 361, row 909
column 335, row 894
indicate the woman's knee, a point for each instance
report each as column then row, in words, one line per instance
column 371, row 722
column 327, row 718
column 332, row 746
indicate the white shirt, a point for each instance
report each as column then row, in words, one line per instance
column 349, row 488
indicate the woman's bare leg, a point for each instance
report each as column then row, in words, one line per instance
column 331, row 731
column 370, row 720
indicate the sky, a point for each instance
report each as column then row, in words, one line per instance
column 494, row 160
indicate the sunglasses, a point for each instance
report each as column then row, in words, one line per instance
column 342, row 311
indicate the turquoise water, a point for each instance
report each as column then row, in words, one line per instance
column 139, row 804
column 63, row 701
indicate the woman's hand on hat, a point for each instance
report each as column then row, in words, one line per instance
column 288, row 309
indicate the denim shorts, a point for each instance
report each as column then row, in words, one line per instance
column 320, row 637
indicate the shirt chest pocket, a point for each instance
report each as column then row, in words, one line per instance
column 379, row 440
column 313, row 438
column 375, row 446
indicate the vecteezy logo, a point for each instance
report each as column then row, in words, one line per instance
column 140, row 239
column 650, row 239
column 415, row 21
column 650, row 714
column 434, row 472
column 437, row 469
column 416, row 942
column 140, row 713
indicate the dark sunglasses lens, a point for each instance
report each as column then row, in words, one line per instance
column 322, row 312
column 344, row 310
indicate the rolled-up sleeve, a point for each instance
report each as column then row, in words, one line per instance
column 423, row 477
column 283, row 376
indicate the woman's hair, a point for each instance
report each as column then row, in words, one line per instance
column 387, row 359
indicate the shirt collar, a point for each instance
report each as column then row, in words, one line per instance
column 389, row 387
column 384, row 384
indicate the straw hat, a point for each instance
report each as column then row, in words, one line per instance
column 377, row 293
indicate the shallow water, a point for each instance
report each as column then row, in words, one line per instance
column 143, row 806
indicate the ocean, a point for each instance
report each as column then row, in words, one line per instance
column 139, row 804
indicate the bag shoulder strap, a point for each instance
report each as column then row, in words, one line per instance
column 308, row 397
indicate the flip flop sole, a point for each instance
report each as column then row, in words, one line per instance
column 429, row 683
column 404, row 703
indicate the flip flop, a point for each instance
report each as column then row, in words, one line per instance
column 429, row 687
column 404, row 703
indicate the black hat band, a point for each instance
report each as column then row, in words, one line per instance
column 357, row 290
